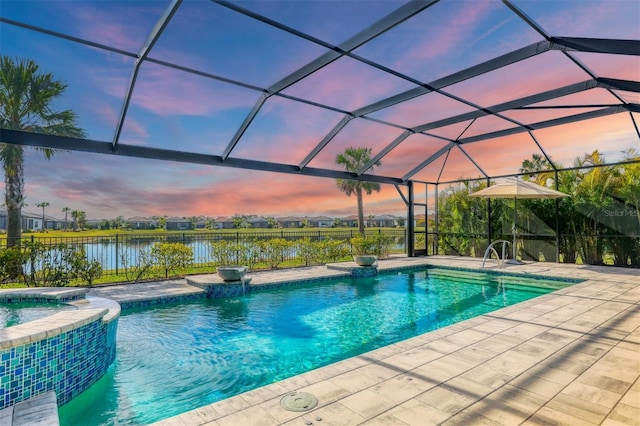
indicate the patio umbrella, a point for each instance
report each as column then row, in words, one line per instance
column 517, row 188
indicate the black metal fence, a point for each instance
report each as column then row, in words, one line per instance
column 119, row 251
column 600, row 249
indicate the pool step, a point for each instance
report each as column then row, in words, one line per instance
column 41, row 410
column 533, row 284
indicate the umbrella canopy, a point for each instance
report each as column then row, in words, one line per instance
column 517, row 188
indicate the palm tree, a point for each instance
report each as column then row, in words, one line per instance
column 43, row 205
column 79, row 219
column 538, row 169
column 66, row 210
column 193, row 222
column 82, row 219
column 26, row 96
column 272, row 222
column 162, row 222
column 353, row 159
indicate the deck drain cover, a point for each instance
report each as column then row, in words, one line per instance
column 298, row 401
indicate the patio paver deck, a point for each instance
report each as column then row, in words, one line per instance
column 571, row 357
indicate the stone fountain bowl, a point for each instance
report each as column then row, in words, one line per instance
column 364, row 260
column 232, row 273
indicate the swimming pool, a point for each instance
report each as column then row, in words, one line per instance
column 172, row 359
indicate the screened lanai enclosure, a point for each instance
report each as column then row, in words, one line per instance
column 451, row 96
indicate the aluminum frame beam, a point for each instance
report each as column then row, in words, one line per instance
column 17, row 137
column 536, row 126
column 154, row 35
column 539, row 97
column 474, row 71
column 336, row 129
column 597, row 45
column 545, row 124
column 564, row 44
column 396, row 17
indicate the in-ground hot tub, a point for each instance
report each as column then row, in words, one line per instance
column 65, row 352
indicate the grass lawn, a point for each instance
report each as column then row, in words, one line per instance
column 159, row 232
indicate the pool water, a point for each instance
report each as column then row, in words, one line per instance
column 21, row 312
column 172, row 359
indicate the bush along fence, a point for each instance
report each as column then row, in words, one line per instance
column 137, row 257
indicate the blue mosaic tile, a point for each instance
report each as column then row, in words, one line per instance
column 68, row 363
column 364, row 272
column 40, row 299
column 132, row 304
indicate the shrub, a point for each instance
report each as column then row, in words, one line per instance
column 378, row 244
column 168, row 257
column 308, row 251
column 136, row 269
column 229, row 253
column 85, row 269
column 11, row 261
column 226, row 253
column 363, row 244
column 332, row 250
column 48, row 265
column 274, row 251
column 383, row 244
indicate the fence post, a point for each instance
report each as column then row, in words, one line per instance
column 117, row 254
column 183, row 238
column 33, row 262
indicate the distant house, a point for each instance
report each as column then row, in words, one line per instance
column 223, row 222
column 384, row 221
column 53, row 223
column 320, row 222
column 90, row 223
column 258, row 222
column 178, row 224
column 289, row 222
column 350, row 221
column 138, row 222
column 30, row 221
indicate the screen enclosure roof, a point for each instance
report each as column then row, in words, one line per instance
column 439, row 90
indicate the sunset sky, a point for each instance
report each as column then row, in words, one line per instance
column 171, row 109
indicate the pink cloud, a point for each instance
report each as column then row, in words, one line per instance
column 347, row 84
column 622, row 67
column 285, row 131
column 487, row 124
column 408, row 155
column 167, row 92
column 610, row 135
column 106, row 186
column 504, row 155
column 421, row 110
column 357, row 133
column 125, row 27
column 450, row 33
column 543, row 72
